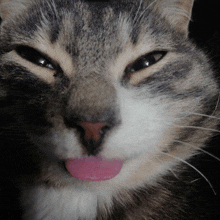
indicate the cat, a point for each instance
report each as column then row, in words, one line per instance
column 106, row 106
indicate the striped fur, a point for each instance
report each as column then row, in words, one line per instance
column 161, row 116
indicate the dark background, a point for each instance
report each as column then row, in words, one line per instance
column 205, row 28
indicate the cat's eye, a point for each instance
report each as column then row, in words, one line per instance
column 35, row 56
column 144, row 62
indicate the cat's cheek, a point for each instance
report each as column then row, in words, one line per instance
column 60, row 144
column 142, row 126
column 137, row 173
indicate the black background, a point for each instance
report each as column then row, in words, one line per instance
column 205, row 29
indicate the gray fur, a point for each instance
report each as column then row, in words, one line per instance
column 87, row 41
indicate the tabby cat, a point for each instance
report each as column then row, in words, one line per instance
column 105, row 106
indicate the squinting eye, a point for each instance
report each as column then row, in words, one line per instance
column 144, row 62
column 34, row 56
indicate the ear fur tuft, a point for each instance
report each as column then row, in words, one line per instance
column 11, row 7
column 176, row 12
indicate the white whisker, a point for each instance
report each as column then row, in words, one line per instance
column 204, row 115
column 142, row 13
column 200, row 149
column 174, row 174
column 197, row 127
column 193, row 167
column 193, row 181
column 216, row 105
column 130, row 13
column 137, row 11
column 168, row 169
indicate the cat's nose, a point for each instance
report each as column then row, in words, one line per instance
column 92, row 135
column 93, row 130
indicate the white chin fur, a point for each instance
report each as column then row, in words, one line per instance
column 68, row 204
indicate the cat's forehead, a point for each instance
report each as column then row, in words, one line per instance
column 88, row 32
column 90, row 35
column 86, row 26
column 84, row 23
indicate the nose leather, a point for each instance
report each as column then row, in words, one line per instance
column 92, row 130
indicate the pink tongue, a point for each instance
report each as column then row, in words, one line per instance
column 94, row 168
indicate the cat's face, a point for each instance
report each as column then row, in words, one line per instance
column 122, row 64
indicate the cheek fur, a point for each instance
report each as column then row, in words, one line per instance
column 61, row 143
column 143, row 124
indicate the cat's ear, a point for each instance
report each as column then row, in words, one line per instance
column 3, row 12
column 10, row 7
column 176, row 12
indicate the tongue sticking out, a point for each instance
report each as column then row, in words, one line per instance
column 94, row 168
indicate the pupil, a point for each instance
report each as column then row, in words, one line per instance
column 150, row 61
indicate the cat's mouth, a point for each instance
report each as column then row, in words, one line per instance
column 93, row 168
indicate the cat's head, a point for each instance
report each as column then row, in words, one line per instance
column 118, row 79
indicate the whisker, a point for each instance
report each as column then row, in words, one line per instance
column 188, row 126
column 168, row 169
column 138, row 11
column 204, row 115
column 193, row 167
column 142, row 13
column 193, row 181
column 131, row 11
column 197, row 127
column 200, row 149
column 174, row 174
column 216, row 105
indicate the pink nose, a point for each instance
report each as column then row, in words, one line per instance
column 92, row 130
